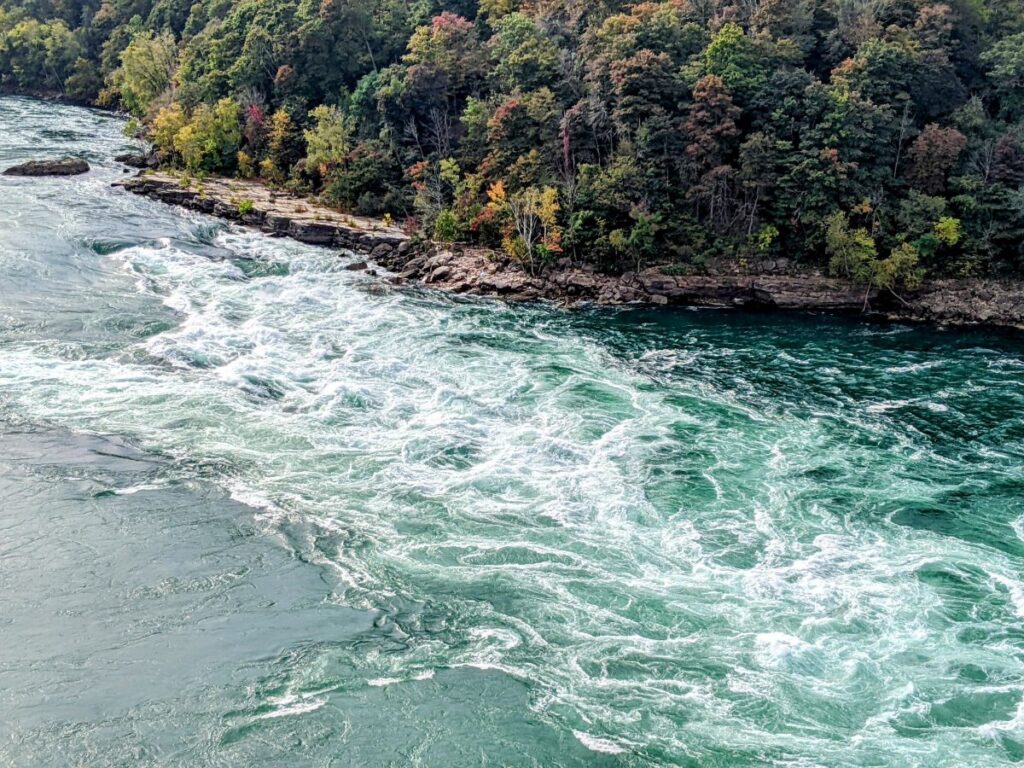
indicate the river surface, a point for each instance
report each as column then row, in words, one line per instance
column 257, row 510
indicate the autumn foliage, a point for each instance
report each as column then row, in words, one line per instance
column 875, row 139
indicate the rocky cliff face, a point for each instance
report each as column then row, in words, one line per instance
column 484, row 273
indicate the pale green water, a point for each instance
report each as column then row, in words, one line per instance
column 256, row 510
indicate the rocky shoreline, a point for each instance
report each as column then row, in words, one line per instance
column 474, row 271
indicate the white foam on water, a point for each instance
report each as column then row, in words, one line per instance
column 384, row 682
column 914, row 367
column 777, row 648
column 292, row 705
column 624, row 536
column 141, row 488
column 889, row 405
column 1018, row 527
column 598, row 744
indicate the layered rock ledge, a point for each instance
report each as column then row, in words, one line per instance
column 276, row 213
column 474, row 271
column 942, row 302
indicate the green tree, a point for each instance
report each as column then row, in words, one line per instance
column 165, row 128
column 736, row 59
column 146, row 72
column 522, row 55
column 327, row 142
column 850, row 251
column 1006, row 65
column 211, row 138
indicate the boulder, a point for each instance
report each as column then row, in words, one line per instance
column 380, row 251
column 226, row 210
column 460, row 284
column 442, row 259
column 312, row 232
column 356, row 266
column 658, row 283
column 134, row 160
column 414, row 266
column 503, row 282
column 440, row 273
column 582, row 282
column 68, row 166
column 278, row 223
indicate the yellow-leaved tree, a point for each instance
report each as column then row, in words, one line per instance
column 532, row 234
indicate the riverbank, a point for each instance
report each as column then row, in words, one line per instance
column 476, row 271
column 56, row 97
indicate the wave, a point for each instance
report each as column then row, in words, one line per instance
column 681, row 534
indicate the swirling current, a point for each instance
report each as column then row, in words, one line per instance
column 259, row 510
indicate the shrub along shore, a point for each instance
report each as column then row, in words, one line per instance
column 768, row 285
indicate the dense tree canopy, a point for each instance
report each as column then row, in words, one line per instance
column 878, row 138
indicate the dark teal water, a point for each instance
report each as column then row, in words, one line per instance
column 258, row 510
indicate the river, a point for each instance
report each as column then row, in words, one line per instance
column 259, row 510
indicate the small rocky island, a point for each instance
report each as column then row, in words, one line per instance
column 67, row 166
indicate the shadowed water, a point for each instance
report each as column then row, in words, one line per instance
column 259, row 510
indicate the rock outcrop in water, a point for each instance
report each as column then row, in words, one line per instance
column 68, row 166
column 475, row 271
column 138, row 160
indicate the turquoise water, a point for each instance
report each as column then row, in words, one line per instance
column 259, row 510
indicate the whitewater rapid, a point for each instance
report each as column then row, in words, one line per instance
column 691, row 538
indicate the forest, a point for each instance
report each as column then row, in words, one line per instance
column 880, row 140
